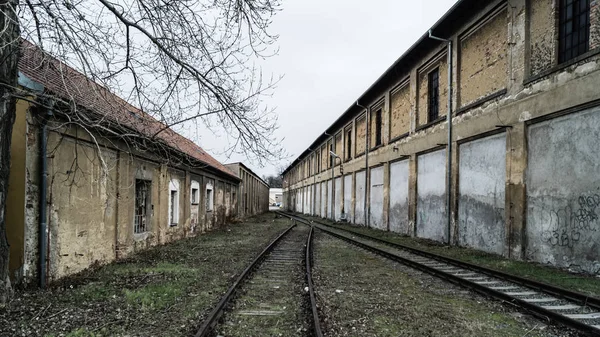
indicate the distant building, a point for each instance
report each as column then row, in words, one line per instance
column 525, row 155
column 275, row 196
column 254, row 192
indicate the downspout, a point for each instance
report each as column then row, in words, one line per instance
column 367, row 120
column 332, row 162
column 449, row 118
column 43, row 225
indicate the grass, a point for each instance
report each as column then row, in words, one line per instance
column 586, row 284
column 163, row 291
column 363, row 295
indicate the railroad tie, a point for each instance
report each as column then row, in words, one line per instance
column 593, row 315
column 562, row 307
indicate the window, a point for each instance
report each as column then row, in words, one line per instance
column 574, row 29
column 348, row 144
column 377, row 128
column 195, row 196
column 331, row 157
column 174, row 202
column 433, row 108
column 142, row 206
column 210, row 202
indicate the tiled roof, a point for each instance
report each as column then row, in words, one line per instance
column 71, row 85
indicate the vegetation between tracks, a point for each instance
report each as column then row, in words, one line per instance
column 364, row 295
column 164, row 291
column 558, row 277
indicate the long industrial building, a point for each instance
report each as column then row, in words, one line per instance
column 519, row 176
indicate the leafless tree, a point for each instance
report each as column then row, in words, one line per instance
column 185, row 61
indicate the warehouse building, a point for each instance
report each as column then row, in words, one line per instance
column 254, row 192
column 96, row 186
column 520, row 175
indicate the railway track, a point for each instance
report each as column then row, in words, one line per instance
column 575, row 310
column 270, row 290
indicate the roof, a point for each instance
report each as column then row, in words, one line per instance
column 71, row 85
column 454, row 18
column 231, row 165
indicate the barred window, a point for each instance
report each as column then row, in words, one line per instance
column 433, row 108
column 574, row 29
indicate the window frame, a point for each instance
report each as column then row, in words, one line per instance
column 433, row 95
column 141, row 228
column 580, row 21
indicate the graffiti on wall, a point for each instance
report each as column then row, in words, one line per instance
column 566, row 226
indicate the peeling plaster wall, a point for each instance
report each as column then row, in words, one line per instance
column 307, row 199
column 361, row 133
column 317, row 209
column 431, row 196
column 348, row 196
column 563, row 192
column 399, row 174
column 359, row 205
column 376, row 199
column 338, row 198
column 482, row 179
column 543, row 34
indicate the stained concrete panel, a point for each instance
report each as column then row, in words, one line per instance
column 338, row 198
column 329, row 198
column 482, row 177
column 299, row 196
column 348, row 196
column 359, row 206
column 399, row 197
column 317, row 204
column 431, row 196
column 307, row 197
column 376, row 199
column 563, row 192
column 323, row 198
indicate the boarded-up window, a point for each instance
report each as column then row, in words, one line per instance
column 338, row 147
column 361, row 135
column 375, row 130
column 400, row 111
column 348, row 147
column 483, row 61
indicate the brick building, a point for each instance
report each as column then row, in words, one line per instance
column 526, row 120
column 254, row 192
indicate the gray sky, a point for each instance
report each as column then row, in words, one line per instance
column 330, row 52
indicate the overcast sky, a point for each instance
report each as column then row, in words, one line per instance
column 330, row 52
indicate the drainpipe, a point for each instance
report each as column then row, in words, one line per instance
column 367, row 120
column 43, row 225
column 449, row 115
column 332, row 177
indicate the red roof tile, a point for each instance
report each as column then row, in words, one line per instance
column 71, row 85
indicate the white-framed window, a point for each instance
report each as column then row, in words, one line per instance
column 173, row 202
column 210, row 197
column 195, row 193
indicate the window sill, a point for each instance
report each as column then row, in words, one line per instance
column 404, row 135
column 430, row 124
column 561, row 66
column 173, row 225
column 481, row 101
column 195, row 204
column 375, row 147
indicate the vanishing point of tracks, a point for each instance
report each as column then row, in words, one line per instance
column 270, row 288
column 575, row 310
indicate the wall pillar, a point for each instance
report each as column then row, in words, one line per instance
column 412, row 195
column 516, row 200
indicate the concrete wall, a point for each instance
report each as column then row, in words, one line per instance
column 348, row 197
column 323, row 199
column 431, row 196
column 329, row 199
column 359, row 206
column 338, row 201
column 376, row 199
column 563, row 191
column 317, row 203
column 399, row 175
column 307, row 199
column 482, row 176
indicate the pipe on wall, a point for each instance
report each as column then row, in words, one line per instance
column 43, row 224
column 449, row 119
